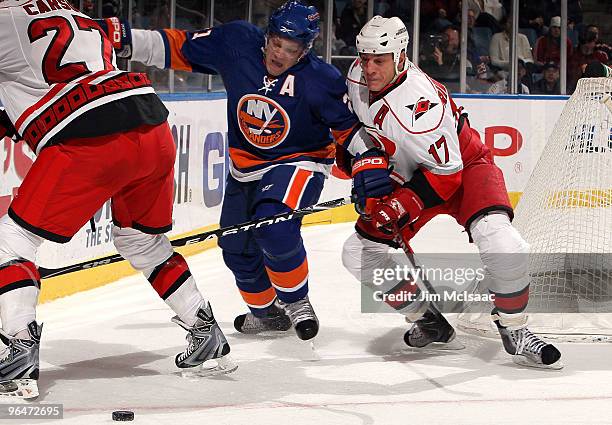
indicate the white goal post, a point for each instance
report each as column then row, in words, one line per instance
column 565, row 214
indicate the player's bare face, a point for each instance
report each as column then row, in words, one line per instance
column 281, row 54
column 379, row 70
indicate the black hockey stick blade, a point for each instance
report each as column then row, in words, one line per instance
column 204, row 236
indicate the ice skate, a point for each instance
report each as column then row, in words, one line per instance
column 19, row 366
column 527, row 349
column 274, row 321
column 205, row 341
column 432, row 332
column 302, row 316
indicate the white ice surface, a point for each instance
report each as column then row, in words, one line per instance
column 113, row 347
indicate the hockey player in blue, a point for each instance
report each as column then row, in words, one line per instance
column 282, row 102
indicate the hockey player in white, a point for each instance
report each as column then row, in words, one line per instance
column 439, row 166
column 99, row 133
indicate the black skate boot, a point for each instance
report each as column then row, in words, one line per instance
column 19, row 368
column 432, row 331
column 302, row 317
column 526, row 348
column 205, row 341
column 275, row 320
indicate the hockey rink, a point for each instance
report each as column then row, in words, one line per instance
column 113, row 348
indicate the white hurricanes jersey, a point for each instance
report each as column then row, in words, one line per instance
column 56, row 64
column 413, row 120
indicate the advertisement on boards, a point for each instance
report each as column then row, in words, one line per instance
column 515, row 130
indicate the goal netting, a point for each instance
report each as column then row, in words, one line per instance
column 565, row 214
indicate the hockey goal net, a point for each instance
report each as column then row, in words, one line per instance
column 565, row 214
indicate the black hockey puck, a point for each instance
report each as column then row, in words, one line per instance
column 123, row 415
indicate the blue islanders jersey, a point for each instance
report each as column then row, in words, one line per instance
column 271, row 120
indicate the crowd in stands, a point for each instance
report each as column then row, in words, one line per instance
column 538, row 44
column 489, row 24
column 489, row 28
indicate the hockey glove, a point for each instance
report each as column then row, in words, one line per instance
column 370, row 178
column 392, row 213
column 120, row 35
column 6, row 127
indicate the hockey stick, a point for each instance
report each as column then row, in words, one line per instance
column 428, row 286
column 204, row 236
column 450, row 344
column 415, row 266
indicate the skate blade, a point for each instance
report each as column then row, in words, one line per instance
column 224, row 366
column 268, row 333
column 454, row 345
column 524, row 361
column 19, row 389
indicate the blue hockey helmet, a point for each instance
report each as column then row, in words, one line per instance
column 295, row 21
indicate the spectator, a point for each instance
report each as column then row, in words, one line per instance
column 499, row 49
column 441, row 21
column 484, row 19
column 583, row 55
column 441, row 61
column 319, row 43
column 501, row 84
column 548, row 47
column 471, row 18
column 477, row 55
column 491, row 7
column 532, row 15
column 353, row 17
column 599, row 45
column 524, row 76
column 549, row 84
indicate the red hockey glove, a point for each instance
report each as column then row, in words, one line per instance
column 397, row 210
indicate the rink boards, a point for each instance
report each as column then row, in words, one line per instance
column 514, row 127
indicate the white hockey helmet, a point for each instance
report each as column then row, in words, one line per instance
column 384, row 35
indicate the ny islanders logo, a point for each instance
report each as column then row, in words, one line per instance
column 262, row 121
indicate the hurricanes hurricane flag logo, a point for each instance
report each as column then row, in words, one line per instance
column 420, row 108
column 262, row 121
